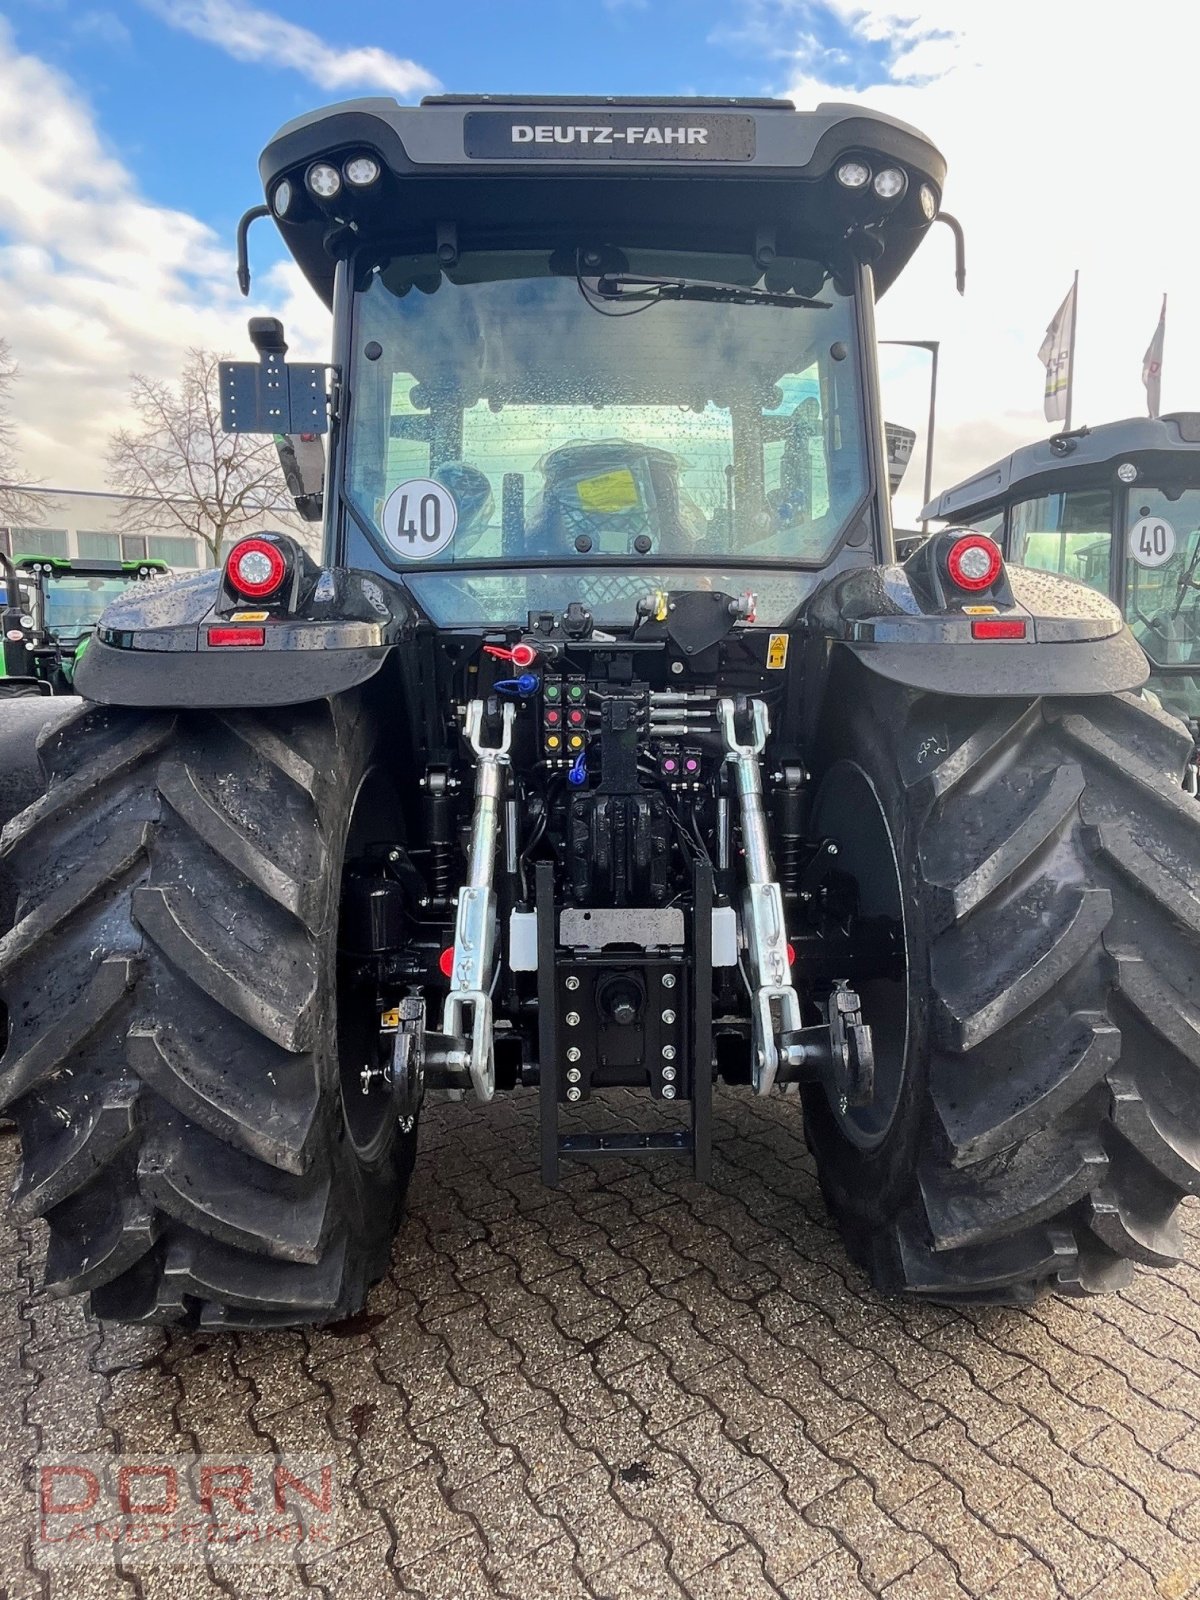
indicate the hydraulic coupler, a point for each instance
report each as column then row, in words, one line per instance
column 774, row 1003
column 475, row 927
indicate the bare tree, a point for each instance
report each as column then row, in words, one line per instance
column 18, row 504
column 183, row 473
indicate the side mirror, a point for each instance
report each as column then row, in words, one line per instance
column 302, row 457
column 266, row 335
column 907, row 542
column 900, row 442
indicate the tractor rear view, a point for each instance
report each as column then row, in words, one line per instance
column 607, row 744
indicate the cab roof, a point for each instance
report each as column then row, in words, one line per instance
column 672, row 173
column 1090, row 455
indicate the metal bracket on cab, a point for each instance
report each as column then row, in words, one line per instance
column 273, row 395
column 475, row 925
column 774, row 1003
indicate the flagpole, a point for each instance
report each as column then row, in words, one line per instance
column 1071, row 351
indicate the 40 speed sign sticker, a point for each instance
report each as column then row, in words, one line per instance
column 1151, row 541
column 419, row 519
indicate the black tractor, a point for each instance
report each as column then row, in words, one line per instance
column 1116, row 506
column 607, row 744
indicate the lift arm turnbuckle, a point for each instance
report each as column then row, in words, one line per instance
column 475, row 927
column 774, row 1004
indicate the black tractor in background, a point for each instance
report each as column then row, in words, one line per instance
column 1116, row 506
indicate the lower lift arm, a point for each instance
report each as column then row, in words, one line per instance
column 475, row 926
column 774, row 1004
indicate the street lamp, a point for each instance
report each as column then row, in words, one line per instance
column 933, row 346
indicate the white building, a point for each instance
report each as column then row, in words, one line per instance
column 75, row 522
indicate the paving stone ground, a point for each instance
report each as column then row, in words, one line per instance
column 635, row 1387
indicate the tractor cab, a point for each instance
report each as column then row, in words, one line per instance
column 594, row 349
column 1117, row 507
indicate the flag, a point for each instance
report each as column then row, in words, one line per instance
column 1152, row 364
column 1055, row 356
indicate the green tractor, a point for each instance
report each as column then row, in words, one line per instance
column 20, row 616
column 607, row 744
column 49, row 606
column 61, row 602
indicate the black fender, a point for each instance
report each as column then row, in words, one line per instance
column 1075, row 640
column 1103, row 666
column 156, row 647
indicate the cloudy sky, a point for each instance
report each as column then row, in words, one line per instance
column 129, row 134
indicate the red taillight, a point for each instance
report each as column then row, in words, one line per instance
column 255, row 568
column 446, row 961
column 974, row 562
column 791, row 954
column 999, row 628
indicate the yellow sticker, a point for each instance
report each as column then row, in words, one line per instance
column 611, row 491
column 390, row 1019
column 982, row 611
column 777, row 652
column 249, row 616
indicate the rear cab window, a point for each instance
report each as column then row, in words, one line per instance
column 1069, row 533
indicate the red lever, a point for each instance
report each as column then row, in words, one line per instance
column 521, row 655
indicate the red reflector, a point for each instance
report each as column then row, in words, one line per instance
column 446, row 961
column 1001, row 628
column 974, row 562
column 218, row 637
column 791, row 955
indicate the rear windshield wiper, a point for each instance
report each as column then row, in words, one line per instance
column 627, row 286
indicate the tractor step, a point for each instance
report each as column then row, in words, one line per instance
column 691, row 1067
column 623, row 1144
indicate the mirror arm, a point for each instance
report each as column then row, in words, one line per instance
column 243, row 255
column 960, row 249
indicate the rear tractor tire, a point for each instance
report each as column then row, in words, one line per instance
column 192, row 1124
column 1036, row 1116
